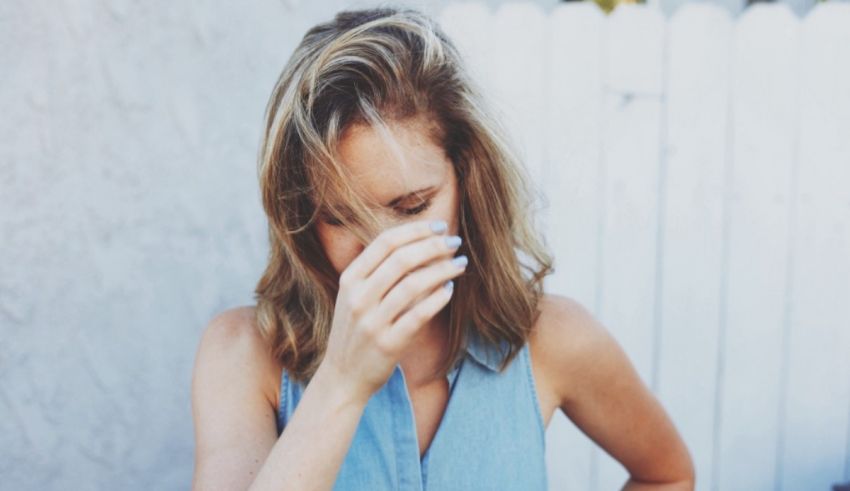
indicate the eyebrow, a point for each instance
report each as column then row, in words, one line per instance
column 403, row 197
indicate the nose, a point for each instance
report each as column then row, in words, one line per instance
column 371, row 233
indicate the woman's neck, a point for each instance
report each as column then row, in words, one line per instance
column 425, row 352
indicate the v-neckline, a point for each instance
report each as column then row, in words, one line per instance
column 453, row 379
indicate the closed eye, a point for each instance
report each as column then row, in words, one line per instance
column 402, row 211
column 333, row 222
column 415, row 210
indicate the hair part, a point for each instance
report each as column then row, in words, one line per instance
column 374, row 67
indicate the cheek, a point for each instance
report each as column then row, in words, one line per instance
column 340, row 246
column 449, row 210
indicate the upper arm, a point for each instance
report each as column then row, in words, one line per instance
column 602, row 393
column 233, row 404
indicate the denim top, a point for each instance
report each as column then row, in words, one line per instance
column 491, row 435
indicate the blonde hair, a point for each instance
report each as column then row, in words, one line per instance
column 366, row 67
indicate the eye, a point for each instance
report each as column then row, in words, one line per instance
column 330, row 220
column 333, row 222
column 415, row 210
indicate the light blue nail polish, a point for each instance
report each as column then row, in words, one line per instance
column 439, row 226
column 453, row 241
column 449, row 285
column 460, row 261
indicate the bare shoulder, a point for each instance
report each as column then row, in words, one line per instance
column 232, row 342
column 589, row 376
column 234, row 401
column 565, row 337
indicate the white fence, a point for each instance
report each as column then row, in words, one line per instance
column 697, row 171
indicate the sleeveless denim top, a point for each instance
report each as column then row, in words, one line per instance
column 491, row 436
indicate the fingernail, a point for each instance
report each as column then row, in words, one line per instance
column 449, row 285
column 439, row 226
column 453, row 241
column 460, row 261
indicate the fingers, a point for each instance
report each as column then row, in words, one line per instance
column 408, row 290
column 385, row 243
column 405, row 327
column 404, row 261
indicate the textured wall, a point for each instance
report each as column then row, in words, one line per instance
column 129, row 215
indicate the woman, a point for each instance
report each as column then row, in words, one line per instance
column 394, row 287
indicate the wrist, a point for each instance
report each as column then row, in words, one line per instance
column 338, row 389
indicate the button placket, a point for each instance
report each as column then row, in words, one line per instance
column 407, row 446
column 452, row 378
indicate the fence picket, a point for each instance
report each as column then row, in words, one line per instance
column 816, row 423
column 573, row 135
column 632, row 81
column 692, row 224
column 764, row 77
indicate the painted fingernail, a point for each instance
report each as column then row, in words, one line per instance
column 453, row 241
column 449, row 285
column 439, row 226
column 460, row 261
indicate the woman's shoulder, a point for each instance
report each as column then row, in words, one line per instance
column 564, row 338
column 232, row 342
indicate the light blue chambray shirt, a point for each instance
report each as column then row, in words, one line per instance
column 491, row 437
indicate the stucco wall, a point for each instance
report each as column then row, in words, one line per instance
column 129, row 215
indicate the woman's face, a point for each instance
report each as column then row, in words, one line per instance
column 416, row 182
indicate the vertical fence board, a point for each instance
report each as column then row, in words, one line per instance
column 764, row 76
column 818, row 376
column 468, row 26
column 519, row 45
column 697, row 112
column 632, row 80
column 572, row 131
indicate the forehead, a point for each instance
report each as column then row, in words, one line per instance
column 385, row 163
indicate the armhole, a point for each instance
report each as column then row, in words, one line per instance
column 284, row 398
column 532, row 385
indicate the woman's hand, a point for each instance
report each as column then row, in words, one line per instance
column 387, row 293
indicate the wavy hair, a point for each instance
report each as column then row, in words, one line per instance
column 370, row 67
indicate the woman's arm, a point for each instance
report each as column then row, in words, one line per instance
column 600, row 391
column 314, row 444
column 236, row 442
column 379, row 310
